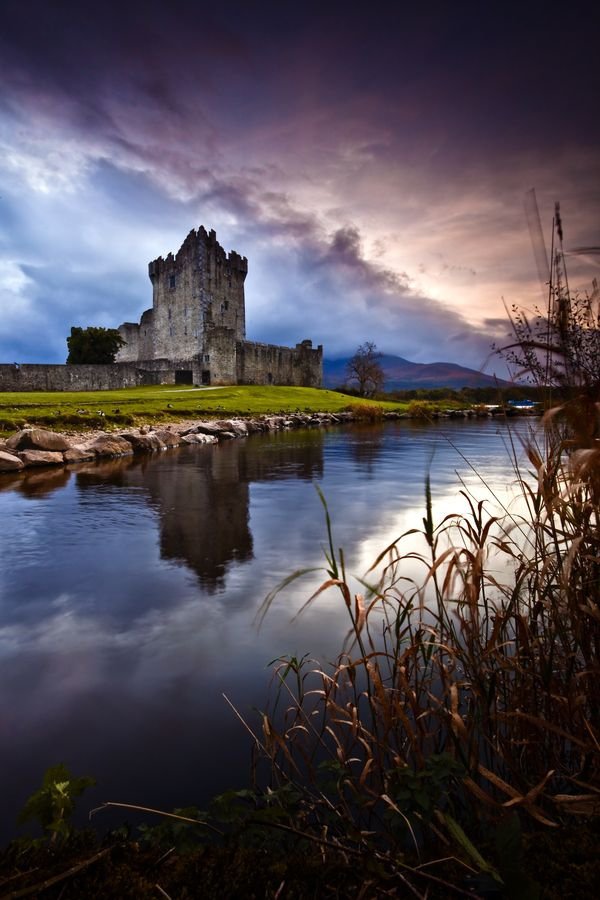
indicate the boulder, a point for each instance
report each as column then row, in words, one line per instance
column 199, row 439
column 111, row 445
column 41, row 458
column 144, row 443
column 9, row 462
column 232, row 426
column 205, row 428
column 271, row 423
column 297, row 421
column 255, row 426
column 38, row 439
column 168, row 437
column 12, row 443
column 79, row 453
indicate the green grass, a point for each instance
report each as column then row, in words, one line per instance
column 80, row 410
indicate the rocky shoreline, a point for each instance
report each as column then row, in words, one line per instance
column 34, row 447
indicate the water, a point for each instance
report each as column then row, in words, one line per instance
column 128, row 592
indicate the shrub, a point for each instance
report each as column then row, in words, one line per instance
column 419, row 409
column 366, row 411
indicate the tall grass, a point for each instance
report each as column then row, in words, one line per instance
column 465, row 694
column 470, row 693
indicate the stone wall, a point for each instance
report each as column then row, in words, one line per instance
column 130, row 332
column 32, row 377
column 258, row 363
column 219, row 358
column 226, row 361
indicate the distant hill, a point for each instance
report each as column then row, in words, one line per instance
column 403, row 375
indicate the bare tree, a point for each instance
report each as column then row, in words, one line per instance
column 365, row 369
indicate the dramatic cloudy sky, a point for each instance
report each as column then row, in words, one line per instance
column 370, row 160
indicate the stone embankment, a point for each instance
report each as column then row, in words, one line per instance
column 38, row 447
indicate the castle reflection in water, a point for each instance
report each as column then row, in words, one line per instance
column 200, row 494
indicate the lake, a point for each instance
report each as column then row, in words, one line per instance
column 129, row 589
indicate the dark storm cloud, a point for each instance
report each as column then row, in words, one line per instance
column 78, row 43
column 440, row 72
column 370, row 166
column 345, row 252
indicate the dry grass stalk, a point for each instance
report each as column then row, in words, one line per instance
column 468, row 693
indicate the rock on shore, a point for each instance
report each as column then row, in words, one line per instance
column 38, row 447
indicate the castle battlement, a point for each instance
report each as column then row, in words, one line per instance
column 198, row 321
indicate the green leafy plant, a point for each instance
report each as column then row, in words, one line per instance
column 53, row 804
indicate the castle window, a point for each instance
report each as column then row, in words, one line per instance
column 226, row 304
column 172, row 281
column 170, row 331
column 170, row 313
column 185, row 329
column 207, row 357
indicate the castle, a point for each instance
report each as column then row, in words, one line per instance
column 197, row 324
column 195, row 333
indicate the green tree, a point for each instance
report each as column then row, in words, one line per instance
column 93, row 345
column 365, row 370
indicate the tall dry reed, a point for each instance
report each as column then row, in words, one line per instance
column 473, row 691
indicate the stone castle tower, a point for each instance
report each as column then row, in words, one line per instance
column 197, row 324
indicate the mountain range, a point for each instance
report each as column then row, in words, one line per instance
column 403, row 375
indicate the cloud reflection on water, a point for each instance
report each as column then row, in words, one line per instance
column 134, row 605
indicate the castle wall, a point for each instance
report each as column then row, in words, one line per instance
column 219, row 357
column 40, row 377
column 226, row 361
column 130, row 332
column 258, row 363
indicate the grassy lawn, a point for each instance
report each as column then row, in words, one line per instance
column 67, row 410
